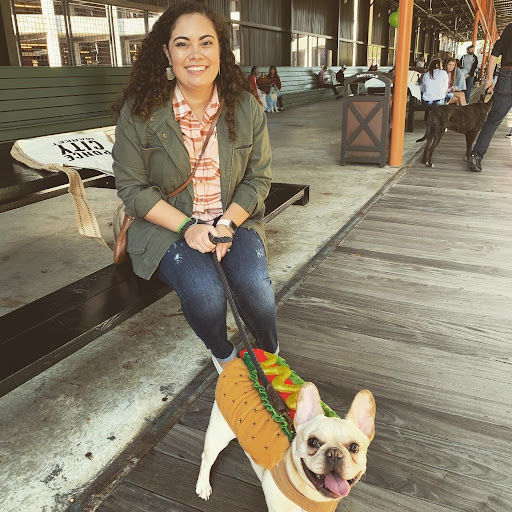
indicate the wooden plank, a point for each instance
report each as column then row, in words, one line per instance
column 398, row 290
column 432, row 233
column 72, row 81
column 31, row 104
column 370, row 498
column 176, row 479
column 131, row 498
column 405, row 323
column 46, row 92
column 8, row 72
column 48, row 113
column 186, row 444
column 54, row 126
column 403, row 411
column 437, row 486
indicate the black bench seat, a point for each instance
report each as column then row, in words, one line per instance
column 42, row 333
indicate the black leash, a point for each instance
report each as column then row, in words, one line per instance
column 273, row 396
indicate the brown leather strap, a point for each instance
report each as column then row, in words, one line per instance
column 210, row 131
column 120, row 249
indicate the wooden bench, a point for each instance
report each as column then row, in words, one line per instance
column 42, row 333
column 42, row 101
column 300, row 84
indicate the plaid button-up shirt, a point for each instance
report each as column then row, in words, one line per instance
column 206, row 181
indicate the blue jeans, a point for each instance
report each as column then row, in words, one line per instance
column 501, row 104
column 469, row 87
column 444, row 101
column 195, row 279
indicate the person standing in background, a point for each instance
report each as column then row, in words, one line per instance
column 502, row 102
column 469, row 63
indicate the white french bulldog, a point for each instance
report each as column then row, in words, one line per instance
column 326, row 458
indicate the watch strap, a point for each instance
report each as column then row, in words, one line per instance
column 229, row 224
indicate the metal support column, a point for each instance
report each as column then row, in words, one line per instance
column 400, row 84
column 475, row 27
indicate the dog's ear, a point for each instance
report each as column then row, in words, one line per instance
column 362, row 413
column 308, row 404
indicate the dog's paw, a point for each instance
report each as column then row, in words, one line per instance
column 429, row 164
column 204, row 490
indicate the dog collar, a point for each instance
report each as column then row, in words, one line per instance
column 285, row 485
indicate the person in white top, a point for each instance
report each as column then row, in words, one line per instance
column 434, row 85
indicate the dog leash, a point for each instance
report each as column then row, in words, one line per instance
column 275, row 399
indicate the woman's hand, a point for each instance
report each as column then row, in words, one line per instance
column 222, row 249
column 197, row 237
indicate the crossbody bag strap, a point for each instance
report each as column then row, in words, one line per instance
column 209, row 134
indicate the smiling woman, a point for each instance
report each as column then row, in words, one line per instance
column 193, row 52
column 186, row 107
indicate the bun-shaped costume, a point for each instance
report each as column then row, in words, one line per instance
column 261, row 431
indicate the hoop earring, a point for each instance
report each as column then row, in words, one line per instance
column 218, row 74
column 170, row 73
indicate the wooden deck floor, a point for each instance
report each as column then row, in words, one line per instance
column 416, row 305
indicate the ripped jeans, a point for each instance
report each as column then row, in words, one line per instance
column 195, row 279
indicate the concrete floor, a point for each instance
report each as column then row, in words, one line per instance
column 96, row 401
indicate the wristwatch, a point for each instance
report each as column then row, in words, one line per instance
column 229, row 224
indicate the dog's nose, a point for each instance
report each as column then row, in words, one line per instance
column 333, row 455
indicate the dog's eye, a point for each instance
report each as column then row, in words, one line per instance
column 314, row 442
column 354, row 448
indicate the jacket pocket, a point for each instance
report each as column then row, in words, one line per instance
column 156, row 161
column 244, row 146
column 241, row 156
column 148, row 153
column 139, row 234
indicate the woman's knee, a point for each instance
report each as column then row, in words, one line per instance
column 207, row 300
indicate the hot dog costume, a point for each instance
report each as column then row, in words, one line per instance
column 261, row 431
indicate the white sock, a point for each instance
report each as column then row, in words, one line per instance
column 217, row 365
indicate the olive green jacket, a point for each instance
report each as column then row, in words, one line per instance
column 151, row 160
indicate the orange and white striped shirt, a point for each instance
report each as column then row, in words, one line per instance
column 206, row 181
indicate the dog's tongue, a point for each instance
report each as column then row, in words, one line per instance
column 337, row 485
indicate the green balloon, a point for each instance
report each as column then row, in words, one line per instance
column 393, row 19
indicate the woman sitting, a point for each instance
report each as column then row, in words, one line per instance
column 434, row 85
column 273, row 79
column 456, row 81
column 184, row 78
column 257, row 93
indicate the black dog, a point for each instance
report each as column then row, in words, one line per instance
column 468, row 120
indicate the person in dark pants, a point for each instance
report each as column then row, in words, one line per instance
column 502, row 96
column 469, row 63
column 322, row 82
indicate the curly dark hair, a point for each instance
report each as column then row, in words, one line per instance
column 148, row 86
